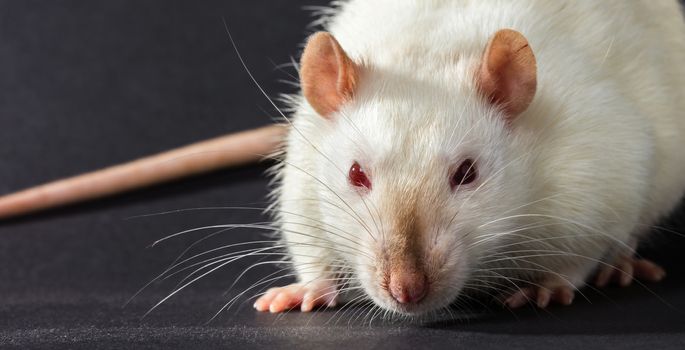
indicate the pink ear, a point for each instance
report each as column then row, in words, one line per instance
column 507, row 74
column 328, row 76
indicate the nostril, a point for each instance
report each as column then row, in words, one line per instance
column 408, row 288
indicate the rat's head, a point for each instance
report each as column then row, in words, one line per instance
column 419, row 171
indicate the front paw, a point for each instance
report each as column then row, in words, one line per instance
column 627, row 268
column 305, row 295
column 541, row 296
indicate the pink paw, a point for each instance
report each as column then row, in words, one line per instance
column 306, row 295
column 628, row 268
column 541, row 296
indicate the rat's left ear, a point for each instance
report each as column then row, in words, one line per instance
column 328, row 76
column 508, row 73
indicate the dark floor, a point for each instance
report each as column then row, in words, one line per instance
column 85, row 84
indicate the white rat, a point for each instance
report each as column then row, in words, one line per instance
column 513, row 148
column 443, row 148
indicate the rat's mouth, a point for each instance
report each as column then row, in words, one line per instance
column 434, row 300
column 411, row 309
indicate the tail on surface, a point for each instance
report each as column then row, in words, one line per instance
column 205, row 156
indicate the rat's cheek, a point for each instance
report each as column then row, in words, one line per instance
column 448, row 269
column 367, row 276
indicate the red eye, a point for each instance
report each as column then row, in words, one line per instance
column 358, row 177
column 466, row 174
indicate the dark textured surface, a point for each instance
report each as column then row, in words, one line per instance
column 85, row 84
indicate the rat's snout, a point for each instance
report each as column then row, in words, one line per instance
column 408, row 288
column 402, row 269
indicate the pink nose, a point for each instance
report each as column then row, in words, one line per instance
column 408, row 288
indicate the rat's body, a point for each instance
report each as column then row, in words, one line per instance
column 451, row 147
column 568, row 183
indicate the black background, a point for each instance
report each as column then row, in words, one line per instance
column 86, row 84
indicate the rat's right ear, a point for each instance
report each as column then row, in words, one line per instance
column 327, row 75
column 508, row 72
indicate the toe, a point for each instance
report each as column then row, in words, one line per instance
column 317, row 297
column 518, row 299
column 263, row 302
column 648, row 271
column 544, row 295
column 604, row 276
column 279, row 303
column 564, row 296
column 288, row 298
column 625, row 273
column 310, row 301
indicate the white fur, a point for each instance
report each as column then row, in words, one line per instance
column 595, row 160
